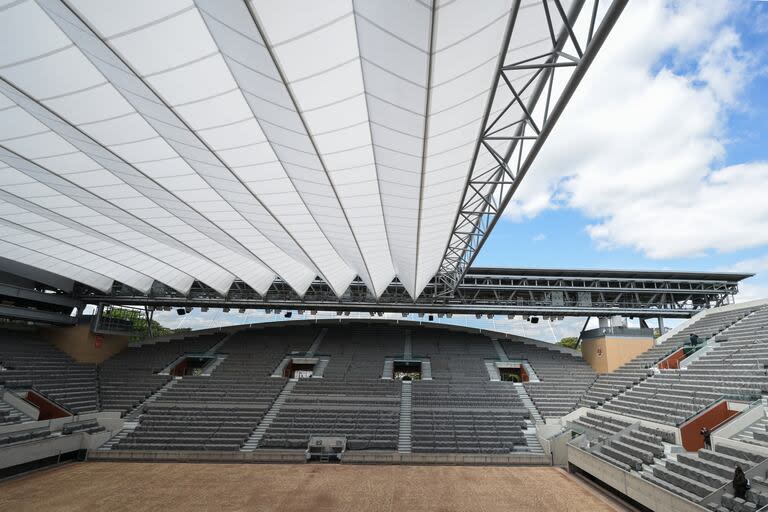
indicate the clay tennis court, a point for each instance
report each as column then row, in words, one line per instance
column 318, row 488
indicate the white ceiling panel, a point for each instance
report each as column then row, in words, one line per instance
column 204, row 140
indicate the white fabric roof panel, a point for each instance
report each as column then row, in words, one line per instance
column 210, row 140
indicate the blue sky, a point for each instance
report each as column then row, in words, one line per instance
column 659, row 162
column 673, row 175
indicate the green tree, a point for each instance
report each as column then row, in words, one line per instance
column 138, row 323
column 568, row 342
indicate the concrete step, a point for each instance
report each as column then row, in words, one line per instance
column 405, row 433
column 254, row 439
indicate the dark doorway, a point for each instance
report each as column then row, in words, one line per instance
column 190, row 366
column 299, row 370
column 406, row 370
column 512, row 374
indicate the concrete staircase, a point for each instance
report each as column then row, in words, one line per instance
column 208, row 370
column 499, row 350
column 388, row 372
column 253, row 441
column 211, row 351
column 128, row 427
column 532, row 438
column 320, row 368
column 406, row 416
column 756, row 433
column 528, row 403
column 316, row 343
column 136, row 412
column 408, row 345
column 493, row 371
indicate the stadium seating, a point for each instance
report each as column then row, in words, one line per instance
column 564, row 378
column 734, row 368
column 461, row 410
column 128, row 378
column 220, row 411
column 691, row 475
column 638, row 369
column 31, row 362
column 350, row 400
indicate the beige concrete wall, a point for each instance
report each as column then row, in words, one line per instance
column 640, row 490
column 81, row 344
column 605, row 353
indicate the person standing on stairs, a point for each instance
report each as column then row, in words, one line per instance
column 707, row 435
column 740, row 483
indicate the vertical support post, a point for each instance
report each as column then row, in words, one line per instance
column 584, row 327
column 149, row 314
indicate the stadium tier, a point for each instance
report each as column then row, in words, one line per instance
column 415, row 390
column 30, row 362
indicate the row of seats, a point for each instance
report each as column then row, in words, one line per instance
column 691, row 475
column 564, row 378
column 351, row 400
column 461, row 410
column 29, row 361
column 609, row 385
column 220, row 411
column 733, row 368
column 128, row 378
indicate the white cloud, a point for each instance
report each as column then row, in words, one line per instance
column 539, row 237
column 640, row 146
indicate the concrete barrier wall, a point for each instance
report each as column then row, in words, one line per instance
column 21, row 404
column 188, row 456
column 754, row 412
column 642, row 491
column 22, row 453
column 362, row 457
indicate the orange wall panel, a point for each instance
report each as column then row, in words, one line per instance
column 711, row 418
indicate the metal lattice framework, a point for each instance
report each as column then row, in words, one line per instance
column 516, row 123
column 242, row 141
column 483, row 291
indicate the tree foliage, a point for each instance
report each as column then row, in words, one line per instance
column 568, row 342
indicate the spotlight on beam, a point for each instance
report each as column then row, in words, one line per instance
column 510, row 317
column 346, row 313
column 405, row 315
column 535, row 320
column 181, row 311
column 431, row 318
column 204, row 309
column 288, row 314
column 489, row 316
column 226, row 310
column 300, row 311
column 478, row 315
column 312, row 311
column 188, row 309
column 449, row 315
column 267, row 311
column 241, row 310
column 421, row 315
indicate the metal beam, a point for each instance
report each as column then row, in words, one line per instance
column 492, row 291
column 488, row 191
